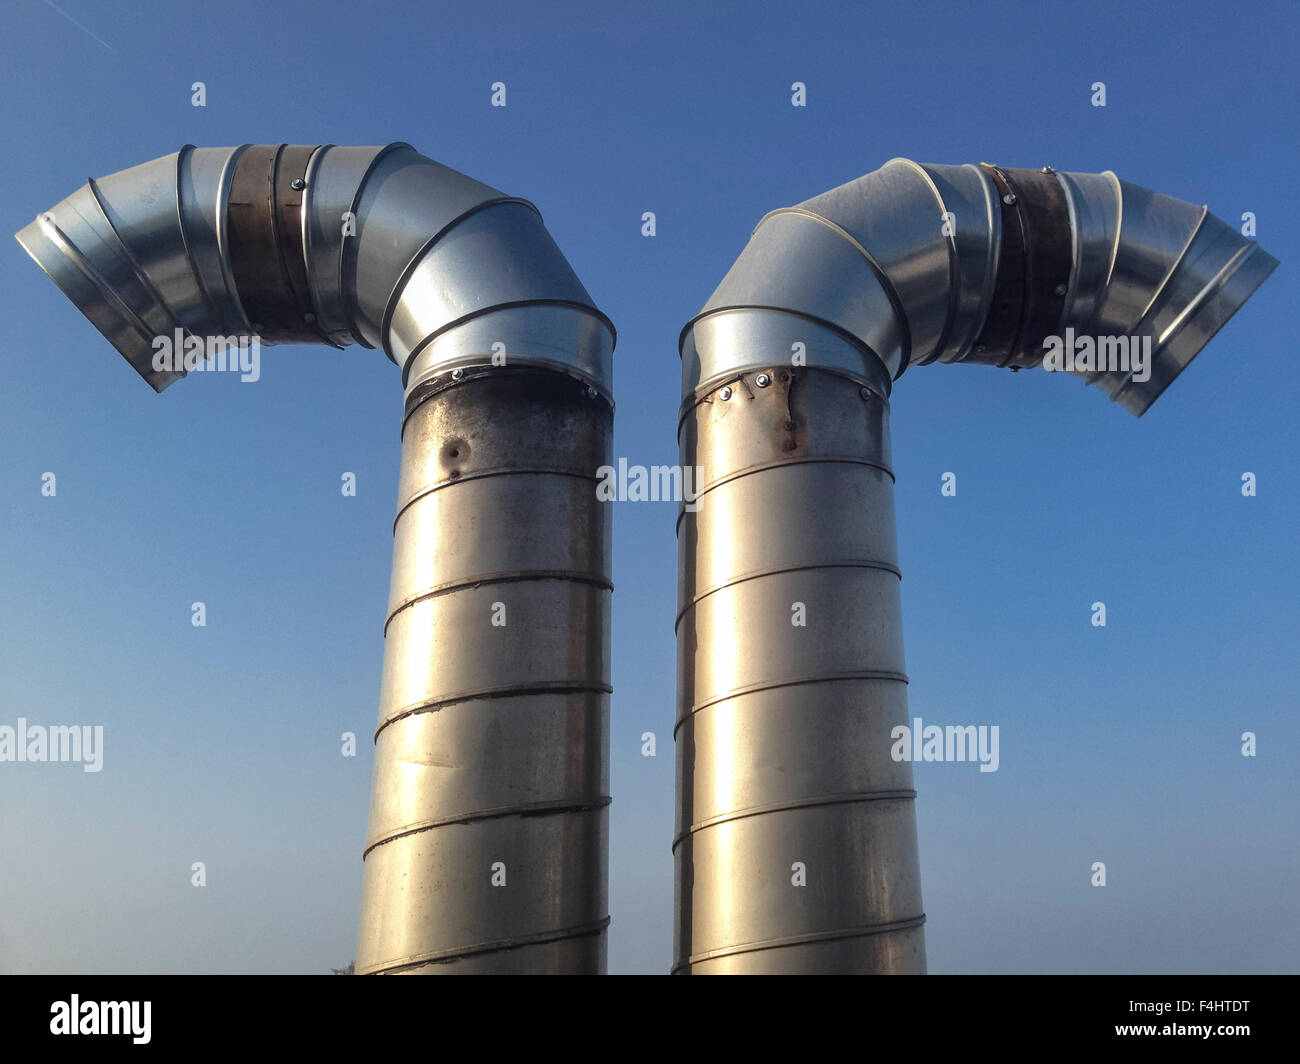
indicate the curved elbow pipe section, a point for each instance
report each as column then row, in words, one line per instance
column 487, row 845
column 795, row 847
column 376, row 246
column 921, row 263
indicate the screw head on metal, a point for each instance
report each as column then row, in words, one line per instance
column 762, row 380
column 1048, row 170
column 1009, row 199
column 725, row 394
column 298, row 184
column 591, row 392
column 864, row 393
column 309, row 317
column 457, row 374
column 1060, row 289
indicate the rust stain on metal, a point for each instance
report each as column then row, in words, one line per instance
column 785, row 381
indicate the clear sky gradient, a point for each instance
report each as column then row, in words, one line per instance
column 1119, row 745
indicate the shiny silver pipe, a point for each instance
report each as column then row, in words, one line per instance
column 487, row 847
column 795, row 848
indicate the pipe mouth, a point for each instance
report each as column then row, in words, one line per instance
column 108, row 290
column 1154, row 278
column 1182, row 324
column 143, row 253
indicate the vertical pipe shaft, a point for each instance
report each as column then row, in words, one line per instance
column 796, row 839
column 487, row 848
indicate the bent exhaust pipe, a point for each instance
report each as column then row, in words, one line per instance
column 789, row 630
column 487, row 846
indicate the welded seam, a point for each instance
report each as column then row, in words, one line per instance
column 446, row 327
column 516, row 576
column 1076, row 246
column 710, row 384
column 349, row 290
column 528, row 809
column 703, row 393
column 1152, row 303
column 395, row 293
column 802, row 940
column 200, row 281
column 1176, row 266
column 437, row 380
column 499, row 471
column 1117, row 188
column 992, row 261
column 444, row 956
column 222, row 220
column 887, row 567
column 278, row 243
column 87, row 269
column 305, row 240
column 886, row 282
column 552, row 687
column 783, row 463
column 847, row 798
column 799, row 681
column 954, row 269
column 1209, row 292
column 141, row 277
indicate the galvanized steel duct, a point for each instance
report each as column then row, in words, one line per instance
column 487, row 847
column 784, row 770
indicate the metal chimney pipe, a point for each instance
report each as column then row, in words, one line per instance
column 487, row 847
column 796, row 847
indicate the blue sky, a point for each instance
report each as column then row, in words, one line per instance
column 221, row 744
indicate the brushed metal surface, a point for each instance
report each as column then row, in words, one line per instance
column 783, row 728
column 396, row 250
column 903, row 260
column 491, row 755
